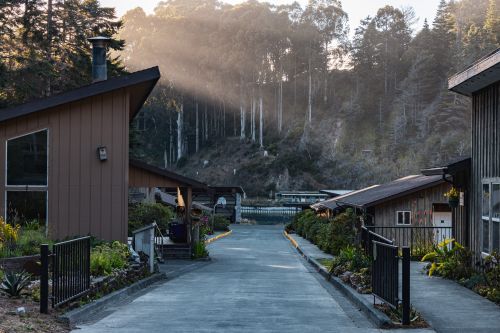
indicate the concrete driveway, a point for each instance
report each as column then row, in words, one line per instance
column 256, row 282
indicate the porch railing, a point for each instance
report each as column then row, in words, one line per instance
column 367, row 238
column 420, row 239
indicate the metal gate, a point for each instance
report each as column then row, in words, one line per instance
column 70, row 268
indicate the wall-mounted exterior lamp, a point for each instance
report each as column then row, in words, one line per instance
column 102, row 153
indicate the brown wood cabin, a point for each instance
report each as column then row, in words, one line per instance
column 481, row 82
column 412, row 201
column 66, row 159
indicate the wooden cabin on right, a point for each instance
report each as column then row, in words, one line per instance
column 481, row 82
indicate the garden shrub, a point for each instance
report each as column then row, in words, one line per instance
column 330, row 236
column 487, row 283
column 106, row 258
column 220, row 223
column 450, row 260
column 200, row 250
column 140, row 215
column 29, row 241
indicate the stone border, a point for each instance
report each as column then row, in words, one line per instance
column 213, row 239
column 77, row 315
column 378, row 318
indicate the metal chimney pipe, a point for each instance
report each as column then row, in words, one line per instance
column 99, row 68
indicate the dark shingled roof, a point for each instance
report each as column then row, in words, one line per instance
column 143, row 82
column 381, row 193
column 334, row 203
column 168, row 174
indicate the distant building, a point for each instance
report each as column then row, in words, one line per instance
column 300, row 198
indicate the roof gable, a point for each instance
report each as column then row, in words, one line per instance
column 142, row 83
column 479, row 75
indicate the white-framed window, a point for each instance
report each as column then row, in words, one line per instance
column 403, row 217
column 26, row 178
column 490, row 216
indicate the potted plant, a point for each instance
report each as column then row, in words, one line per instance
column 453, row 197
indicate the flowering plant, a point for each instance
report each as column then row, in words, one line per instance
column 452, row 194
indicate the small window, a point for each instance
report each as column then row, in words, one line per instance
column 27, row 160
column 404, row 217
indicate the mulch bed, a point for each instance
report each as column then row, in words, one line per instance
column 417, row 321
column 31, row 321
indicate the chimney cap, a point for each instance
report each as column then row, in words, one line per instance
column 99, row 40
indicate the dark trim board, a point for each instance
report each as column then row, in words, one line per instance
column 169, row 174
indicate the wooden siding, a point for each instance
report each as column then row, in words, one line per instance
column 85, row 195
column 419, row 203
column 485, row 153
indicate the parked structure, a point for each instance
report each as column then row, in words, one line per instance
column 481, row 82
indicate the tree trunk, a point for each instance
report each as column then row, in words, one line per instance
column 309, row 101
column 242, row 122
column 171, row 139
column 253, row 118
column 197, row 129
column 280, row 103
column 206, row 122
column 179, row 131
column 261, row 121
column 49, row 44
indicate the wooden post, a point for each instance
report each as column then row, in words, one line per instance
column 406, row 286
column 44, row 278
column 187, row 194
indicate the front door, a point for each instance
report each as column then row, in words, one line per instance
column 442, row 222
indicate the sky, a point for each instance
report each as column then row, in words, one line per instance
column 356, row 9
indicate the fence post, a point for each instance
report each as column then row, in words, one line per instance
column 406, row 286
column 44, row 278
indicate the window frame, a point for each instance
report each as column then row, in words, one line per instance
column 490, row 220
column 28, row 188
column 403, row 212
column 6, row 160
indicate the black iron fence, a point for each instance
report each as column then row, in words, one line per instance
column 385, row 272
column 419, row 239
column 69, row 268
column 385, row 275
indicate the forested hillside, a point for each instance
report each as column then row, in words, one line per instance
column 304, row 106
column 268, row 97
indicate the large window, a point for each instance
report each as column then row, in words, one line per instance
column 403, row 217
column 490, row 216
column 27, row 160
column 27, row 178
